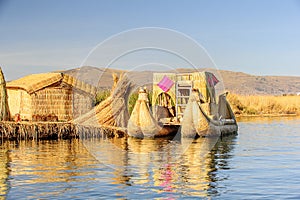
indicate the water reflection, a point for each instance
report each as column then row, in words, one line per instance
column 225, row 168
column 4, row 170
column 44, row 163
column 166, row 166
column 48, row 161
column 155, row 168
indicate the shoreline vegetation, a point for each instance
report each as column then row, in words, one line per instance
column 264, row 105
column 244, row 105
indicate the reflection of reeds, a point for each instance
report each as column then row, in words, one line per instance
column 264, row 105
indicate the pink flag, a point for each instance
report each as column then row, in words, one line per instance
column 212, row 80
column 165, row 84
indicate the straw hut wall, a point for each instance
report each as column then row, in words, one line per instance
column 49, row 97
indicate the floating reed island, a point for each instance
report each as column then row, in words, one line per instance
column 37, row 130
column 58, row 106
column 181, row 103
column 55, row 130
column 44, row 106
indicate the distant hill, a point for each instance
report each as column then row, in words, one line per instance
column 235, row 82
column 242, row 83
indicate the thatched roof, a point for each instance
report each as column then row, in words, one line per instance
column 36, row 82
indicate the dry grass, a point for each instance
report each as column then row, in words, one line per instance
column 264, row 105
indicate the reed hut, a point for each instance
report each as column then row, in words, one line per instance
column 49, row 97
column 171, row 92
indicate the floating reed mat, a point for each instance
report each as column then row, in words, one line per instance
column 86, row 132
column 55, row 130
column 37, row 130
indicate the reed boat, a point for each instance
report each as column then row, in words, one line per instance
column 143, row 124
column 182, row 103
column 199, row 120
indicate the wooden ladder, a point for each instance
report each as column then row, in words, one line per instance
column 183, row 89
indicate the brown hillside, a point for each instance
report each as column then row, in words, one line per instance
column 242, row 83
column 235, row 82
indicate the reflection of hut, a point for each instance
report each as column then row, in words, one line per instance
column 38, row 96
column 59, row 161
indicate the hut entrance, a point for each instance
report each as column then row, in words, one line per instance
column 164, row 107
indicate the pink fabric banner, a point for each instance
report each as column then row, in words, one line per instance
column 165, row 84
column 212, row 80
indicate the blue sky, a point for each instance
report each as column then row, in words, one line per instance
column 256, row 37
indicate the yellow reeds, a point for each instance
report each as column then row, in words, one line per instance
column 54, row 130
column 37, row 130
column 113, row 110
column 4, row 116
column 264, row 105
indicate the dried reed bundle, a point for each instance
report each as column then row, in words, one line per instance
column 142, row 123
column 4, row 116
column 193, row 121
column 37, row 130
column 112, row 111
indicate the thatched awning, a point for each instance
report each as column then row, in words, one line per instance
column 36, row 82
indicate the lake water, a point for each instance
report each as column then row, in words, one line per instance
column 261, row 162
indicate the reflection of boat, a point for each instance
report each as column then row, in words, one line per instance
column 182, row 100
column 187, row 165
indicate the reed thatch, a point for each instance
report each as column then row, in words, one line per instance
column 37, row 96
column 35, row 82
column 224, row 110
column 198, row 80
column 193, row 122
column 4, row 116
column 199, row 119
column 54, row 130
column 37, row 130
column 141, row 123
column 113, row 111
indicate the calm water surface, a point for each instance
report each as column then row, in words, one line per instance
column 262, row 162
